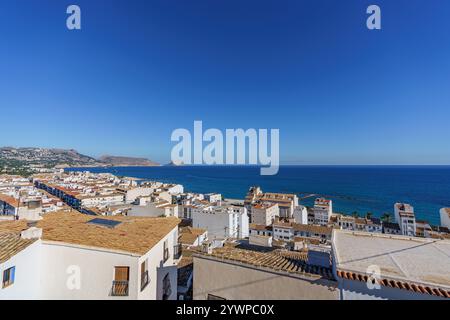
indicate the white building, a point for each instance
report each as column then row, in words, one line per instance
column 288, row 231
column 213, row 197
column 286, row 202
column 112, row 199
column 222, row 221
column 173, row 189
column 445, row 217
column 323, row 209
column 74, row 256
column 301, row 215
column 154, row 209
column 404, row 216
column 131, row 194
column 264, row 213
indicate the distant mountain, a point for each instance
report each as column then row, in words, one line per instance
column 127, row 161
column 175, row 163
column 17, row 157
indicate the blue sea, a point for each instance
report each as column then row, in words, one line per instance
column 362, row 189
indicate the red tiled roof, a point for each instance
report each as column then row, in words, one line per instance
column 396, row 284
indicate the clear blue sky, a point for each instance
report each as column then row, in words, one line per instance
column 339, row 93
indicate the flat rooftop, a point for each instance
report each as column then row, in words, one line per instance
column 412, row 261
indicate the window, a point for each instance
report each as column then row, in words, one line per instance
column 166, row 250
column 121, row 280
column 8, row 276
column 144, row 274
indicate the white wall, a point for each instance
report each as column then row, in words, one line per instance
column 132, row 194
column 97, row 271
column 301, row 215
column 222, row 224
column 357, row 290
column 26, row 284
column 445, row 218
column 217, row 224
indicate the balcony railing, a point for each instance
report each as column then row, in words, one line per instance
column 145, row 280
column 119, row 289
column 177, row 251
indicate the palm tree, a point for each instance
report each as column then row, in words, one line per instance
column 355, row 214
column 369, row 215
column 386, row 217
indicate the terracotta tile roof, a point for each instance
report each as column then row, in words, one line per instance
column 136, row 235
column 396, row 284
column 292, row 262
column 14, row 226
column 260, row 227
column 188, row 235
column 11, row 244
column 9, row 200
column 305, row 227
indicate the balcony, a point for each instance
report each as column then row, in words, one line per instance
column 119, row 289
column 177, row 251
column 145, row 280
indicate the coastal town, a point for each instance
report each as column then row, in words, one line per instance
column 84, row 235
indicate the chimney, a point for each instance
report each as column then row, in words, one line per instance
column 32, row 232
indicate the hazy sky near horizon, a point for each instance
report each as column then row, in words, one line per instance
column 338, row 92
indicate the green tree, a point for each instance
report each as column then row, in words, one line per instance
column 386, row 217
column 369, row 215
column 355, row 214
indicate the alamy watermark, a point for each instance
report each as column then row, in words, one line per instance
column 190, row 148
column 73, row 281
column 73, row 21
column 374, row 278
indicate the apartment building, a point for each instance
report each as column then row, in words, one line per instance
column 227, row 221
column 356, row 223
column 301, row 214
column 377, row 266
column 89, row 201
column 261, row 230
column 213, row 197
column 404, row 216
column 286, row 202
column 69, row 255
column 288, row 231
column 159, row 208
column 264, row 213
column 391, row 228
column 323, row 209
column 132, row 194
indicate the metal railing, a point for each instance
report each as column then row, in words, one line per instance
column 177, row 251
column 119, row 288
